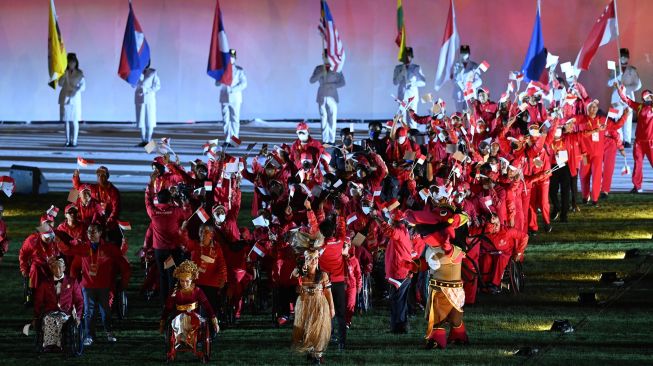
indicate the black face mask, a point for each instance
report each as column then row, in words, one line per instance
column 307, row 165
column 648, row 102
column 374, row 134
column 514, row 145
column 347, row 141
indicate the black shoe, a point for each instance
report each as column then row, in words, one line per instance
column 341, row 346
column 547, row 228
column 73, row 145
column 627, row 145
column 142, row 144
column 67, row 144
column 532, row 233
column 587, row 201
column 603, row 196
column 564, row 219
column 634, row 191
column 575, row 208
column 595, row 204
column 556, row 216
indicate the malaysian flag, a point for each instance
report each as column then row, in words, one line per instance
column 333, row 45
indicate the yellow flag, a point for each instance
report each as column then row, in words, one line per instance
column 401, row 32
column 57, row 56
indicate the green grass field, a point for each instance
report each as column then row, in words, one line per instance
column 558, row 265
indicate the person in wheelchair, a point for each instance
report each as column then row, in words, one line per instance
column 57, row 300
column 183, row 306
column 504, row 243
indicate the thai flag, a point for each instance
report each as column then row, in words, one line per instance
column 135, row 54
column 535, row 61
column 219, row 66
column 334, row 48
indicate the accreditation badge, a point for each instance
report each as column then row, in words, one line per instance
column 207, row 259
column 92, row 271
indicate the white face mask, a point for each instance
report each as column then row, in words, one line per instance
column 220, row 218
column 402, row 139
column 465, row 56
column 460, row 198
column 366, row 210
column 442, row 137
column 302, row 137
column 558, row 133
column 359, row 174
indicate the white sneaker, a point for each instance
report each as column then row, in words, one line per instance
column 111, row 338
column 88, row 341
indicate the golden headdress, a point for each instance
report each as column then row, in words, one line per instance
column 187, row 270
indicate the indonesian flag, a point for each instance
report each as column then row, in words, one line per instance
column 235, row 141
column 52, row 211
column 421, row 159
column 395, row 283
column 84, row 162
column 504, row 98
column 258, row 249
column 603, row 32
column 484, row 66
column 201, row 213
column 425, row 194
column 124, row 225
column 392, row 205
column 326, row 157
column 377, row 193
column 450, row 44
column 469, row 94
column 613, row 113
column 351, row 218
column 208, row 186
column 8, row 185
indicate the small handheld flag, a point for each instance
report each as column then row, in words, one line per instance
column 84, row 162
column 124, row 225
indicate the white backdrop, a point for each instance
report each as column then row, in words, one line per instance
column 279, row 45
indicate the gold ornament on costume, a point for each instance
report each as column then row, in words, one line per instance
column 186, row 270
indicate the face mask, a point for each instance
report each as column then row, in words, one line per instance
column 347, row 141
column 366, row 210
column 482, row 98
column 402, row 139
column 353, row 192
column 47, row 237
column 465, row 56
column 558, row 133
column 648, row 102
column 374, row 134
column 360, row 174
column 302, row 137
column 441, row 137
column 220, row 218
column 494, row 167
column 460, row 198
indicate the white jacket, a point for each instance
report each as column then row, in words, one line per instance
column 233, row 93
column 330, row 81
column 147, row 86
column 72, row 85
column 408, row 78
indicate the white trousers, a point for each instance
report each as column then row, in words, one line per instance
column 146, row 120
column 70, row 114
column 231, row 119
column 329, row 115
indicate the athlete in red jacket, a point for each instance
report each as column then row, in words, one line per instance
column 104, row 192
column 643, row 135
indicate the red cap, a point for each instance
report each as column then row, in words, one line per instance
column 84, row 187
column 302, row 126
column 401, row 132
column 646, row 93
column 398, row 215
column 69, row 207
column 46, row 217
column 306, row 157
column 158, row 160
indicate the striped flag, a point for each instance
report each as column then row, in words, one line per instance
column 421, row 159
column 351, row 218
column 235, row 141
column 84, row 162
column 484, row 66
column 125, row 225
column 401, row 32
column 201, row 213
column 258, row 249
column 450, row 44
column 219, row 67
column 135, row 55
column 613, row 113
column 605, row 30
column 335, row 52
column 57, row 56
column 208, row 186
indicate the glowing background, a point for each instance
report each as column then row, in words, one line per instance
column 279, row 45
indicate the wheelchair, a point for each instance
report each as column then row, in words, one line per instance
column 201, row 349
column 72, row 338
column 364, row 302
column 513, row 277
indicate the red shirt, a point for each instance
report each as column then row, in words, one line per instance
column 33, row 258
column 47, row 300
column 166, row 222
column 644, row 130
column 181, row 297
column 98, row 268
column 108, row 197
column 398, row 255
column 211, row 263
column 331, row 260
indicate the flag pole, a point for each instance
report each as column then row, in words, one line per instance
column 616, row 17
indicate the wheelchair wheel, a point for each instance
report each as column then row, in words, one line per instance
column 364, row 297
column 121, row 304
column 38, row 338
column 74, row 338
column 205, row 354
column 169, row 342
column 513, row 277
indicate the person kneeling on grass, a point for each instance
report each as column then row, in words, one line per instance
column 184, row 302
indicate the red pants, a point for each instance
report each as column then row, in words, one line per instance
column 493, row 265
column 350, row 294
column 591, row 169
column 525, row 203
column 609, row 158
column 642, row 148
column 539, row 199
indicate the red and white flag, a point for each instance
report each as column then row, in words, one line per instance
column 326, row 157
column 335, row 52
column 258, row 249
column 125, row 225
column 605, row 30
column 421, row 159
column 201, row 213
column 235, row 141
column 8, row 185
column 52, row 211
column 613, row 113
column 351, row 218
column 450, row 44
column 425, row 194
column 84, row 162
column 208, row 186
column 395, row 283
column 469, row 94
column 484, row 66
